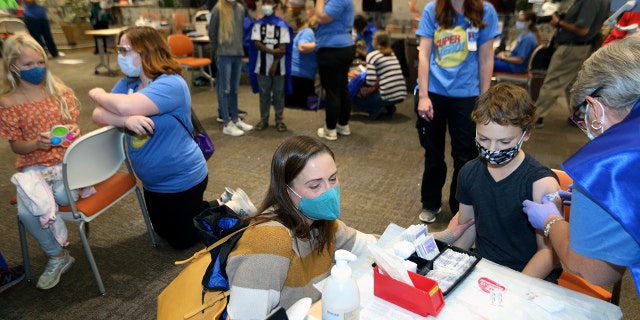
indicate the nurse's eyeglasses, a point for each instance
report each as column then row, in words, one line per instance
column 579, row 111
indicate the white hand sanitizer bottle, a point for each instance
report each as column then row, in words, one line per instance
column 340, row 296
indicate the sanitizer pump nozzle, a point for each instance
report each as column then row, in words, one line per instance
column 340, row 296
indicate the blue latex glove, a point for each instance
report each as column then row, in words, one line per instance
column 538, row 213
column 565, row 195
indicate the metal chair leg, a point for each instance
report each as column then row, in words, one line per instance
column 25, row 250
column 89, row 254
column 145, row 215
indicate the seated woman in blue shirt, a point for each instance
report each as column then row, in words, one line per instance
column 526, row 42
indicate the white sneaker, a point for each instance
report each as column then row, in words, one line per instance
column 231, row 129
column 241, row 204
column 241, row 114
column 55, row 268
column 327, row 134
column 429, row 216
column 243, row 126
column 343, row 130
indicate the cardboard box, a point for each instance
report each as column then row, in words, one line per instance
column 425, row 299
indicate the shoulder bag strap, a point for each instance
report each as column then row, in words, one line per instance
column 209, row 248
column 185, row 127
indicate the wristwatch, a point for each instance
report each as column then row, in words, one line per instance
column 547, row 227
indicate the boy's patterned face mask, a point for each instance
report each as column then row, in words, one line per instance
column 500, row 156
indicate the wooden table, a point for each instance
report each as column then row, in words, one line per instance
column 102, row 35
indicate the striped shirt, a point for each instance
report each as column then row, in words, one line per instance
column 270, row 268
column 272, row 37
column 386, row 69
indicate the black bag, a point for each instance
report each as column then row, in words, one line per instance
column 220, row 229
column 212, row 225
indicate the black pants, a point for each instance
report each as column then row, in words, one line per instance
column 302, row 88
column 40, row 30
column 172, row 214
column 333, row 66
column 98, row 26
column 456, row 113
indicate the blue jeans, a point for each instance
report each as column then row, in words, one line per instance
column 45, row 237
column 501, row 66
column 373, row 104
column 228, row 81
column 271, row 90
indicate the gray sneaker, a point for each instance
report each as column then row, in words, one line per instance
column 429, row 216
column 241, row 204
column 55, row 268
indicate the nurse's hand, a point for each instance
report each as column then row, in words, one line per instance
column 539, row 212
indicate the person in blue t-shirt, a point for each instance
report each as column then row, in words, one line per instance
column 303, row 66
column 603, row 237
column 154, row 104
column 364, row 32
column 335, row 53
column 455, row 66
column 517, row 61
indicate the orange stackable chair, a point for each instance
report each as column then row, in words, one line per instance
column 574, row 282
column 181, row 47
column 95, row 159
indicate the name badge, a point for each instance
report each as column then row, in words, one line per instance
column 472, row 38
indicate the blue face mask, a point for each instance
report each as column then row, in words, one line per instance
column 127, row 67
column 323, row 207
column 34, row 75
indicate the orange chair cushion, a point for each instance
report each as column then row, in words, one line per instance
column 571, row 281
column 106, row 192
column 194, row 62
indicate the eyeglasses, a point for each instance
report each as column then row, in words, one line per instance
column 123, row 50
column 580, row 111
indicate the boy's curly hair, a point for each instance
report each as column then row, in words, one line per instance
column 505, row 104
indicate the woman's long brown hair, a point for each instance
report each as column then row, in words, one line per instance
column 473, row 10
column 288, row 161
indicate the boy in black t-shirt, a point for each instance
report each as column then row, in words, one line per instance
column 491, row 188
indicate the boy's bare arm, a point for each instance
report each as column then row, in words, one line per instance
column 276, row 52
column 545, row 259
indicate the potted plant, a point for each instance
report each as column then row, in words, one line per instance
column 75, row 14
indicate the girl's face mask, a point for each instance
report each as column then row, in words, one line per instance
column 267, row 9
column 127, row 67
column 34, row 75
column 323, row 207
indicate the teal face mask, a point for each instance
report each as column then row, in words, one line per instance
column 323, row 207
